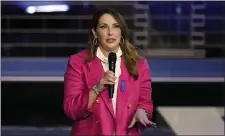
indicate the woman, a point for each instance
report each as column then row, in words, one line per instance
column 86, row 98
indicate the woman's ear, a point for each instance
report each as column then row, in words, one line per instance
column 94, row 33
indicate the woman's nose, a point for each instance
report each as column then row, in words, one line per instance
column 110, row 32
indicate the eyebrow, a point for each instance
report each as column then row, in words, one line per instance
column 107, row 24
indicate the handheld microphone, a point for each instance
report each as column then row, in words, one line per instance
column 112, row 66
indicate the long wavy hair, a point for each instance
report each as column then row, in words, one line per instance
column 131, row 53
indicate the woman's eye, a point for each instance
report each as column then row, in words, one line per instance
column 103, row 27
column 117, row 26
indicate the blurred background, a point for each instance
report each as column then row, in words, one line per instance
column 183, row 41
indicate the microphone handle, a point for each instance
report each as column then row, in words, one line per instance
column 111, row 90
column 111, row 87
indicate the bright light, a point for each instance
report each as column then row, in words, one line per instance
column 31, row 10
column 47, row 8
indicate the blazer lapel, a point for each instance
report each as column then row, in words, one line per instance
column 96, row 72
column 123, row 89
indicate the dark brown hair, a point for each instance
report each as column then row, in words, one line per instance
column 131, row 53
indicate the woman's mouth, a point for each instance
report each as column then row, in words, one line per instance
column 110, row 40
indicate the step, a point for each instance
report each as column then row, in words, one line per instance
column 199, row 6
column 141, row 24
column 198, row 16
column 141, row 16
column 200, row 34
column 140, row 6
column 197, row 42
column 197, row 24
column 174, row 53
column 140, row 42
column 142, row 33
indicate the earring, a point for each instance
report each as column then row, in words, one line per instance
column 94, row 41
column 122, row 40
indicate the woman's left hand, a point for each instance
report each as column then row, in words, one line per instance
column 141, row 117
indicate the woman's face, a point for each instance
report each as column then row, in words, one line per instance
column 108, row 33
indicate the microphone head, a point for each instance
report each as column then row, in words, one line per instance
column 112, row 57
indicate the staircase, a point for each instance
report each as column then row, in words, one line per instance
column 141, row 24
column 197, row 34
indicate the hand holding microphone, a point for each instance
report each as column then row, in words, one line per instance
column 108, row 79
column 109, row 76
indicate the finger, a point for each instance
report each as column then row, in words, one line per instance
column 106, row 74
column 111, row 76
column 153, row 124
column 111, row 80
column 110, row 72
column 132, row 122
column 108, row 82
column 148, row 122
column 142, row 122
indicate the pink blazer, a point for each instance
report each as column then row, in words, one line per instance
column 80, row 77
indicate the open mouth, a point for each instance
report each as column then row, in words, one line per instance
column 110, row 40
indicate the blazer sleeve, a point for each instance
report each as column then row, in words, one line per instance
column 145, row 97
column 76, row 94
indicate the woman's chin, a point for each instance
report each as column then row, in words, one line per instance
column 111, row 47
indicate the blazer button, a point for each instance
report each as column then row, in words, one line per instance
column 129, row 106
column 97, row 101
column 97, row 122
